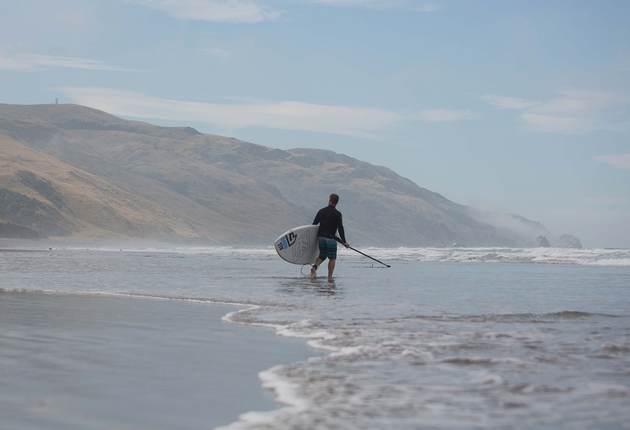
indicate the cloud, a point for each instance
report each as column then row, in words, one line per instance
column 288, row 115
column 572, row 112
column 506, row 102
column 579, row 102
column 365, row 3
column 620, row 161
column 443, row 115
column 216, row 52
column 72, row 16
column 427, row 8
column 554, row 124
column 237, row 11
column 375, row 4
column 35, row 62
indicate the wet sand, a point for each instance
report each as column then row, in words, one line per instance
column 103, row 362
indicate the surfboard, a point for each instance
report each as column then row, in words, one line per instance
column 298, row 245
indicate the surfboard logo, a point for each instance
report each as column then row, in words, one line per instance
column 287, row 241
column 303, row 244
column 291, row 238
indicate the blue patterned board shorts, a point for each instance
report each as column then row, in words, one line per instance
column 327, row 248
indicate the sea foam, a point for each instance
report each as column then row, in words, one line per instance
column 587, row 256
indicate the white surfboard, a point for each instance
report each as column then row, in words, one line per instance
column 299, row 245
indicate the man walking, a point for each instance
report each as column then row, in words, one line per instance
column 329, row 220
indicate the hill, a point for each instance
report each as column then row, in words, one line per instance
column 12, row 231
column 73, row 170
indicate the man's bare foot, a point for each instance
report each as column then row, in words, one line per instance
column 313, row 271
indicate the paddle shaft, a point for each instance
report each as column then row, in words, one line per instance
column 365, row 255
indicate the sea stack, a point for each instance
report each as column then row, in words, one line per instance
column 568, row 241
column 542, row 242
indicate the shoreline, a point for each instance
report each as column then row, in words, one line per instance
column 123, row 353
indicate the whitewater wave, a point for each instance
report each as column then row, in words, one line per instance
column 588, row 257
column 367, row 380
column 593, row 257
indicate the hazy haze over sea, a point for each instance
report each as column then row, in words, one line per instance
column 445, row 338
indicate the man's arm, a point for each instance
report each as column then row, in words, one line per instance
column 316, row 220
column 341, row 231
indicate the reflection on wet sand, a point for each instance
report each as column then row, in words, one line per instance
column 318, row 286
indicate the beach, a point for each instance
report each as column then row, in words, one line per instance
column 96, row 362
column 99, row 336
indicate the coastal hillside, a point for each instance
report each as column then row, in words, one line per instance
column 77, row 172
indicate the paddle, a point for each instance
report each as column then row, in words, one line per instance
column 356, row 250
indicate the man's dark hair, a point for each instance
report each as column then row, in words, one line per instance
column 334, row 199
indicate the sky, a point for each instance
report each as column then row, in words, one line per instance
column 511, row 106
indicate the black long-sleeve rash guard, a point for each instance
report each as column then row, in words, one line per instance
column 329, row 220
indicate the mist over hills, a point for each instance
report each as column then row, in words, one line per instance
column 73, row 171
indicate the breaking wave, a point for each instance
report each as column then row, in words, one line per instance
column 591, row 257
column 588, row 257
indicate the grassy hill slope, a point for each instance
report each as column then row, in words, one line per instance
column 99, row 176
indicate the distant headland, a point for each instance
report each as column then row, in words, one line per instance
column 76, row 172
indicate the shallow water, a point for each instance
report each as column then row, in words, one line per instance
column 481, row 338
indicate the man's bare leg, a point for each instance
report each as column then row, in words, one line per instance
column 317, row 263
column 331, row 266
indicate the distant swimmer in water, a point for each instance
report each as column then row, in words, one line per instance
column 330, row 221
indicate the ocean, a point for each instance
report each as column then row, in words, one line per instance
column 444, row 339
